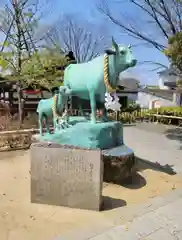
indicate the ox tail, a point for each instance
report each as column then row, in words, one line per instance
column 38, row 107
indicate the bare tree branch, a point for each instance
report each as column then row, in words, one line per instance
column 160, row 65
column 70, row 34
column 162, row 18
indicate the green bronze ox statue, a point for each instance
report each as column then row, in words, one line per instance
column 91, row 80
column 53, row 107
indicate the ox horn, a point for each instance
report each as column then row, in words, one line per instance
column 114, row 44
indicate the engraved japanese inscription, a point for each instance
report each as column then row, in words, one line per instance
column 66, row 176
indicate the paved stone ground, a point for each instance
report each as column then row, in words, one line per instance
column 161, row 216
column 156, row 143
column 157, row 219
column 163, row 223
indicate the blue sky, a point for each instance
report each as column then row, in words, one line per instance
column 87, row 9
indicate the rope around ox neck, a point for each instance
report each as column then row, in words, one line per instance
column 54, row 112
column 109, row 88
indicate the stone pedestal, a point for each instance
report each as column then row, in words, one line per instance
column 119, row 164
column 66, row 176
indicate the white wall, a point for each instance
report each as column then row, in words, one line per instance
column 166, row 78
column 161, row 83
column 145, row 100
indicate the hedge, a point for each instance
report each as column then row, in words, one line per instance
column 133, row 115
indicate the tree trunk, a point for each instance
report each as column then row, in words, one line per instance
column 41, row 94
column 20, row 110
column 179, row 92
column 19, row 55
column 180, row 99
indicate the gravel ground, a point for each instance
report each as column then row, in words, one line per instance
column 21, row 220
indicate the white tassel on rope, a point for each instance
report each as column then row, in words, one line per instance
column 62, row 121
column 112, row 101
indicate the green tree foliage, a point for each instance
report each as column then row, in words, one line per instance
column 19, row 53
column 174, row 51
column 44, row 68
column 174, row 54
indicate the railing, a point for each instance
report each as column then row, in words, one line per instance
column 125, row 117
column 176, row 120
column 144, row 115
column 21, row 139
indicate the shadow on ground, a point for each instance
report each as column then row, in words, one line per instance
column 6, row 155
column 175, row 134
column 129, row 125
column 110, row 203
column 143, row 164
column 135, row 182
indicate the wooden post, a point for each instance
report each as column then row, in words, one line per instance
column 41, row 94
column 117, row 115
column 20, row 111
column 23, row 109
column 157, row 105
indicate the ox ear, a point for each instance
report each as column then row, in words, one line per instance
column 115, row 45
column 110, row 52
